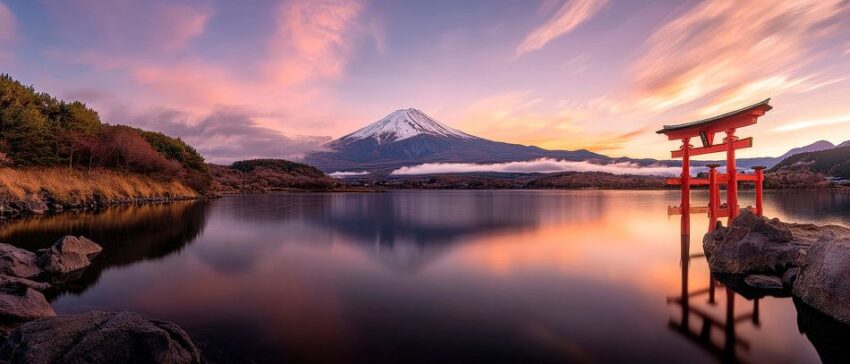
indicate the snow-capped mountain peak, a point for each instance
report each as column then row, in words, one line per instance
column 403, row 124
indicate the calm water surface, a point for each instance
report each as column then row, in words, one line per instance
column 437, row 276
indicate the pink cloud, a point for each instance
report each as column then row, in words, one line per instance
column 7, row 24
column 572, row 14
column 182, row 23
column 722, row 48
column 313, row 39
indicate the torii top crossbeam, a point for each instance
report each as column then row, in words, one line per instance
column 706, row 129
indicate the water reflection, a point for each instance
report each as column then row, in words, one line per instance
column 430, row 276
column 128, row 234
column 717, row 325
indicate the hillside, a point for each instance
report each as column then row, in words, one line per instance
column 831, row 162
column 261, row 175
column 55, row 153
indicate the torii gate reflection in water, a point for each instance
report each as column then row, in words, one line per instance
column 727, row 349
column 706, row 130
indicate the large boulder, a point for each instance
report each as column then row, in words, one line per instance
column 754, row 244
column 18, row 262
column 25, row 304
column 99, row 337
column 824, row 279
column 12, row 283
column 68, row 254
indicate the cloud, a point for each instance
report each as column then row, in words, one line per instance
column 804, row 124
column 732, row 51
column 142, row 28
column 313, row 39
column 343, row 174
column 229, row 134
column 7, row 24
column 572, row 14
column 543, row 165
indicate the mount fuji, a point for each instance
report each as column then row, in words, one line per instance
column 409, row 137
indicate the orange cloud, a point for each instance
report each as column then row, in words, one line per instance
column 572, row 14
column 732, row 51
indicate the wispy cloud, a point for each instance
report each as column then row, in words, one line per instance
column 7, row 23
column 313, row 39
column 572, row 14
column 544, row 165
column 805, row 124
column 718, row 48
column 344, row 174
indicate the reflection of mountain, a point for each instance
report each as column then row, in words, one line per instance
column 128, row 234
column 409, row 230
column 813, row 205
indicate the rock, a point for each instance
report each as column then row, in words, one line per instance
column 754, row 244
column 790, row 276
column 824, row 280
column 761, row 281
column 18, row 262
column 23, row 305
column 36, row 207
column 68, row 254
column 99, row 337
column 9, row 282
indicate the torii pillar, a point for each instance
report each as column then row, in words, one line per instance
column 706, row 129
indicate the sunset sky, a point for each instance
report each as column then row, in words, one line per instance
column 242, row 79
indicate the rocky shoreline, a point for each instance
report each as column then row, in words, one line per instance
column 47, row 204
column 807, row 261
column 34, row 333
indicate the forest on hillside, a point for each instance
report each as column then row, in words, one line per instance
column 39, row 130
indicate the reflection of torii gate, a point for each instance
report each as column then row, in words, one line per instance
column 727, row 348
column 706, row 130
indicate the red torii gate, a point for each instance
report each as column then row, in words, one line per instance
column 706, row 129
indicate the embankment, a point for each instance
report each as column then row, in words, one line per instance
column 48, row 190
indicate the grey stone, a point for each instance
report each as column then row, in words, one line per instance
column 68, row 254
column 99, row 337
column 9, row 282
column 790, row 276
column 824, row 280
column 763, row 281
column 24, row 304
column 18, row 262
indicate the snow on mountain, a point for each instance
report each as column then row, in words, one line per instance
column 404, row 124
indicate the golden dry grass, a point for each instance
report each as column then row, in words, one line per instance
column 77, row 186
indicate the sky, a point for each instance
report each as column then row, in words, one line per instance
column 281, row 78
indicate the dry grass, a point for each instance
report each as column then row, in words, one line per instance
column 77, row 186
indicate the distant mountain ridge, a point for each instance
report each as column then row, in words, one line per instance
column 772, row 161
column 409, row 137
column 834, row 162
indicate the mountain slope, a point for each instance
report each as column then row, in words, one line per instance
column 772, row 161
column 833, row 162
column 408, row 137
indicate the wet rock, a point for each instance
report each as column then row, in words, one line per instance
column 23, row 305
column 754, row 244
column 761, row 281
column 824, row 280
column 99, row 337
column 790, row 276
column 9, row 282
column 18, row 262
column 68, row 254
column 828, row 336
column 36, row 207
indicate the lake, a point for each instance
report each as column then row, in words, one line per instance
column 438, row 276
